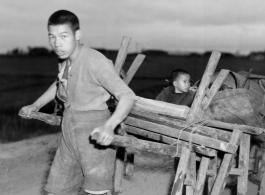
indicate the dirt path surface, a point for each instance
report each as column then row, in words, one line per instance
column 25, row 167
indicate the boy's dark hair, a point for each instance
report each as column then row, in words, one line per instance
column 175, row 74
column 64, row 17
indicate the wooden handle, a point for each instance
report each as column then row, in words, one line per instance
column 47, row 118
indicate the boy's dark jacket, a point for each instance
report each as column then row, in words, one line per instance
column 168, row 95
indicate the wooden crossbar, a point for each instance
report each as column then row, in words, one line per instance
column 221, row 77
column 183, row 135
column 169, row 140
column 133, row 68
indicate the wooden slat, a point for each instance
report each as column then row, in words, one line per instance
column 210, row 123
column 225, row 167
column 119, row 169
column 179, row 124
column 169, row 140
column 155, row 106
column 201, row 176
column 210, row 68
column 213, row 170
column 123, row 74
column 214, row 88
column 121, row 153
column 175, row 133
column 133, row 68
column 47, row 118
column 129, row 156
column 135, row 144
column 56, row 120
column 244, row 150
column 122, row 54
column 256, row 76
column 191, row 174
column 177, row 188
column 129, row 165
column 235, row 171
column 244, row 128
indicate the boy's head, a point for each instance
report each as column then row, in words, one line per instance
column 64, row 33
column 180, row 79
column 61, row 17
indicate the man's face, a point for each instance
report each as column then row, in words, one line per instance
column 182, row 83
column 62, row 40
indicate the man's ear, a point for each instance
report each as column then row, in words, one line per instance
column 78, row 35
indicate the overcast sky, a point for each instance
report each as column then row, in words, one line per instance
column 175, row 25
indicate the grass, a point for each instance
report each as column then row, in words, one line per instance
column 24, row 79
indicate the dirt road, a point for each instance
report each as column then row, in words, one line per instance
column 24, row 167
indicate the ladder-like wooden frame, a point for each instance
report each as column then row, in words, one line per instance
column 208, row 166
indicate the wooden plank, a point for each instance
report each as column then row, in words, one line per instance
column 213, row 169
column 134, row 144
column 47, row 118
column 244, row 128
column 177, row 188
column 201, row 176
column 133, row 68
column 119, row 169
column 222, row 135
column 121, row 153
column 123, row 74
column 129, row 156
column 129, row 165
column 169, row 140
column 209, row 70
column 119, row 164
column 179, row 124
column 191, row 174
column 175, row 133
column 235, row 171
column 155, row 106
column 225, row 167
column 221, row 77
column 243, row 164
column 210, row 123
column 256, row 76
column 122, row 54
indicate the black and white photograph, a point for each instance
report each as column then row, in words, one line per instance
column 132, row 97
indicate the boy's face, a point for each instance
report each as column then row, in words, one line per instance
column 63, row 40
column 182, row 83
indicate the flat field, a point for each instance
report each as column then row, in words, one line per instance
column 24, row 78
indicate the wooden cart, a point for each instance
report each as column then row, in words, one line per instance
column 182, row 133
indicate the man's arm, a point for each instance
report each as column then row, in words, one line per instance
column 106, row 132
column 44, row 99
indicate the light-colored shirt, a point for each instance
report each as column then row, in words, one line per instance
column 91, row 81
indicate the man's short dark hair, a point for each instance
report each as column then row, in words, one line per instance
column 175, row 74
column 64, row 17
